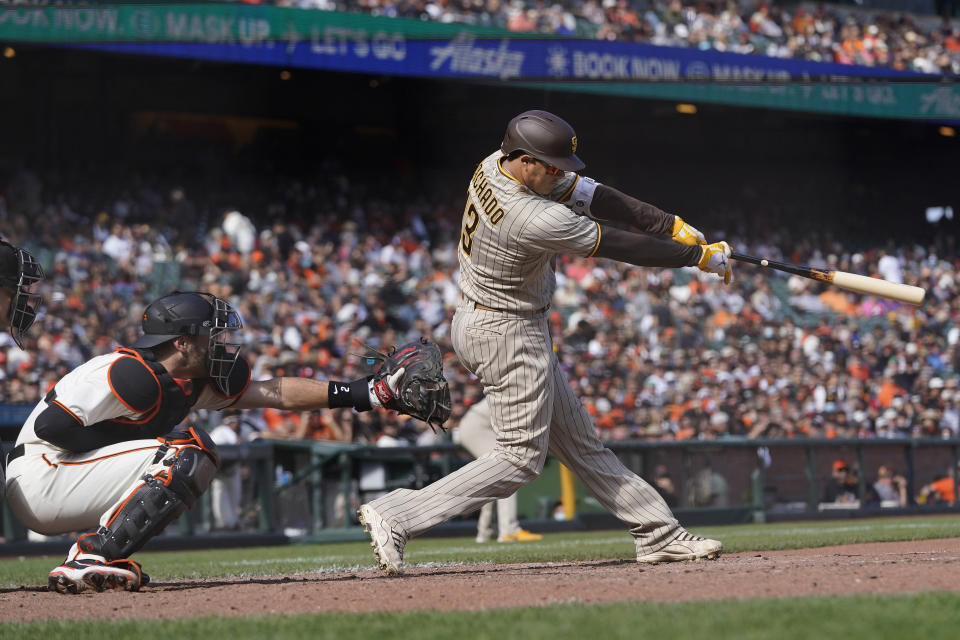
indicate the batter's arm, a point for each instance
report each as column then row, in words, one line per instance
column 614, row 205
column 588, row 197
column 643, row 250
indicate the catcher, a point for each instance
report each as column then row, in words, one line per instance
column 101, row 450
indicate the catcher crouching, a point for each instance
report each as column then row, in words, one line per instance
column 103, row 451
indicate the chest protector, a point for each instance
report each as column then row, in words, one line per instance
column 176, row 398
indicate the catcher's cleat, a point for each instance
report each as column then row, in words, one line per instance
column 521, row 536
column 77, row 576
column 386, row 541
column 686, row 546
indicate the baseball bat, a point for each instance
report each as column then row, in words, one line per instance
column 849, row 281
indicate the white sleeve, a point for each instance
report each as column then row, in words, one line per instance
column 582, row 195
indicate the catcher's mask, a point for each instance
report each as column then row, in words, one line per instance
column 544, row 136
column 19, row 271
column 193, row 313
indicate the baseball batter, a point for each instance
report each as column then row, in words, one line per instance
column 101, row 449
column 526, row 204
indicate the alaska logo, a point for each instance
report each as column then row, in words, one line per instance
column 573, row 144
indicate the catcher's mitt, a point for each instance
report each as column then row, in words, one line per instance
column 421, row 391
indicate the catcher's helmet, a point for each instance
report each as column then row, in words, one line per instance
column 19, row 271
column 545, row 137
column 193, row 313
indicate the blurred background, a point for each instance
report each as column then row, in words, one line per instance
column 309, row 160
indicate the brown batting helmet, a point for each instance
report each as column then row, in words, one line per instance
column 544, row 136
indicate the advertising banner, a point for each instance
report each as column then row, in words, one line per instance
column 301, row 38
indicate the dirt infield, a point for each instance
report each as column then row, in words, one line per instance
column 899, row 567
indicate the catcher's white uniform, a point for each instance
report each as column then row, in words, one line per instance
column 53, row 490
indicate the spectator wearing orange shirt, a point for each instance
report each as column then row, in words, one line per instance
column 283, row 425
column 837, row 301
column 857, row 368
column 888, row 390
column 941, row 490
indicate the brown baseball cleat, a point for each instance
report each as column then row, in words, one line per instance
column 685, row 547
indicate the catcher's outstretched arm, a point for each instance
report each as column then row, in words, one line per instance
column 305, row 394
column 409, row 380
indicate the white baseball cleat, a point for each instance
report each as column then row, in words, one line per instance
column 77, row 576
column 684, row 547
column 386, row 541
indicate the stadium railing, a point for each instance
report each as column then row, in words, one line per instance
column 309, row 490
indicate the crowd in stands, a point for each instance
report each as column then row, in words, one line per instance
column 810, row 31
column 656, row 354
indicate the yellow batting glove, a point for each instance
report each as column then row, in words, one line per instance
column 685, row 233
column 716, row 259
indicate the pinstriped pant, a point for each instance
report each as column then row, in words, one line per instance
column 533, row 409
column 478, row 437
